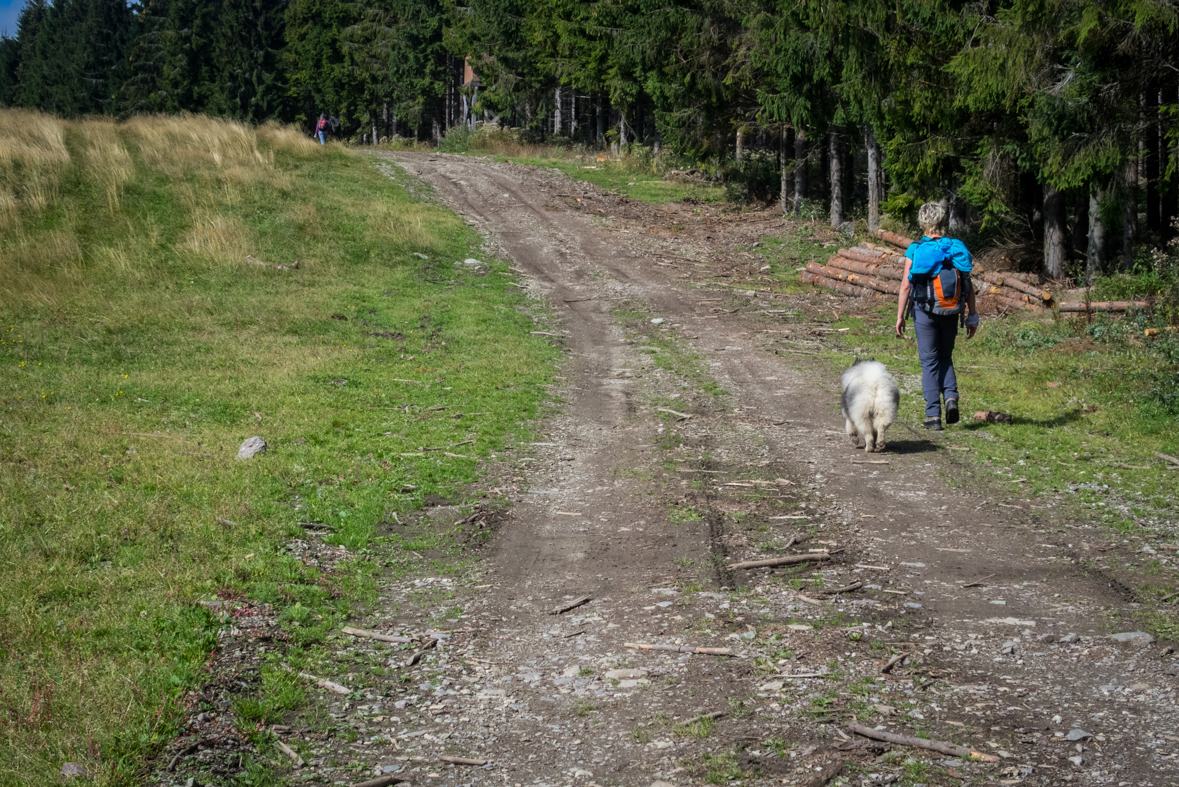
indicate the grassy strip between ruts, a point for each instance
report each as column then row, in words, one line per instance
column 140, row 349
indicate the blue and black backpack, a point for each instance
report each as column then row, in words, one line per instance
column 940, row 275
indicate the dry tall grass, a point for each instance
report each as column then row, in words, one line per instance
column 206, row 161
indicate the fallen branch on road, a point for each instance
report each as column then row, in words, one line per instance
column 574, row 605
column 462, row 760
column 381, row 781
column 680, row 649
column 951, row 749
column 844, row 589
column 366, row 634
column 895, row 660
column 780, row 561
column 326, row 684
column 294, row 755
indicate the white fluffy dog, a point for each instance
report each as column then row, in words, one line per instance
column 869, row 403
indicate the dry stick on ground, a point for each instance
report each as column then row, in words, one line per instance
column 680, row 649
column 366, row 634
column 462, row 760
column 294, row 755
column 977, row 582
column 951, row 749
column 187, row 750
column 895, row 660
column 1168, row 457
column 780, row 561
column 574, row 605
column 381, row 781
column 1103, row 306
column 844, row 589
column 869, row 461
column 417, row 655
column 808, row 600
column 679, row 415
column 1167, row 598
column 326, row 684
column 228, row 522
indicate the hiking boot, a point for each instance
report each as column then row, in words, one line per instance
column 933, row 424
column 951, row 411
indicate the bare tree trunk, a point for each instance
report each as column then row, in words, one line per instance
column 1169, row 202
column 557, row 112
column 800, row 163
column 1130, row 215
column 874, row 180
column 601, row 132
column 573, row 114
column 740, row 144
column 787, row 169
column 1095, row 256
column 835, row 156
column 1150, row 135
column 375, row 137
column 385, row 118
column 1053, row 234
column 1080, row 239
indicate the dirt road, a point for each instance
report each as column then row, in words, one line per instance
column 1004, row 640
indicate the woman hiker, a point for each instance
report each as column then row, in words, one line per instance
column 321, row 128
column 936, row 289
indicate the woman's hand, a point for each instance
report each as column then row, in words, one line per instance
column 971, row 324
column 901, row 327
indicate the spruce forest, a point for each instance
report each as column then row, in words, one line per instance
column 1048, row 123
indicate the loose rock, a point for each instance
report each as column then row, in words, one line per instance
column 251, row 448
column 1136, row 638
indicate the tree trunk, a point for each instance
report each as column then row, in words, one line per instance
column 557, row 112
column 1130, row 215
column 1080, row 239
column 1053, row 234
column 835, row 158
column 601, row 132
column 385, row 118
column 800, row 163
column 572, row 114
column 740, row 144
column 1169, row 199
column 375, row 137
column 1095, row 256
column 874, row 180
column 787, row 168
column 1150, row 138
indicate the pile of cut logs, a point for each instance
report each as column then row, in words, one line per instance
column 871, row 269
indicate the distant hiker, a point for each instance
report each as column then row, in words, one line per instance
column 936, row 289
column 322, row 127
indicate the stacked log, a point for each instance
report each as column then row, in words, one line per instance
column 873, row 269
column 1104, row 306
column 836, row 285
column 877, row 285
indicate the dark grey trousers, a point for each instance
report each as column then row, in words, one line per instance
column 935, row 348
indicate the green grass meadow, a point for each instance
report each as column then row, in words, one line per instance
column 140, row 348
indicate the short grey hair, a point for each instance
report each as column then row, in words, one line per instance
column 932, row 217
